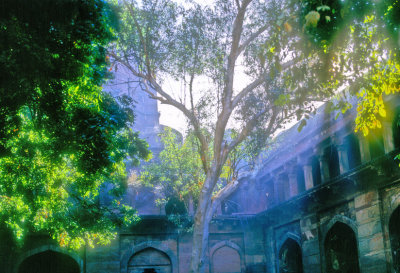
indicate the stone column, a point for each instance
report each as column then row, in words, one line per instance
column 308, row 177
column 286, row 187
column 293, row 187
column 342, row 150
column 388, row 136
column 323, row 164
column 343, row 158
column 276, row 190
column 364, row 149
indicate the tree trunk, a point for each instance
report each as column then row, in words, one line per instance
column 201, row 229
column 199, row 247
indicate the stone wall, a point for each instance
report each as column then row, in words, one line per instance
column 326, row 201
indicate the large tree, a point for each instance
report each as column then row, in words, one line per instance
column 243, row 65
column 61, row 137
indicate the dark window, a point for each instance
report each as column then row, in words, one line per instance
column 316, row 171
column 300, row 180
column 331, row 154
column 353, row 150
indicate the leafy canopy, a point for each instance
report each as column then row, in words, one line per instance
column 178, row 171
column 61, row 137
column 361, row 53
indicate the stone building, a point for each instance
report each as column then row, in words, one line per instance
column 328, row 200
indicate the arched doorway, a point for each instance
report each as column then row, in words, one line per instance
column 394, row 233
column 290, row 258
column 226, row 260
column 49, row 262
column 149, row 260
column 341, row 250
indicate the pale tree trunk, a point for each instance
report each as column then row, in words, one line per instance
column 200, row 241
column 201, row 225
column 206, row 208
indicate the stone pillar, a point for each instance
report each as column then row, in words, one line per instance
column 310, row 244
column 388, row 136
column 343, row 158
column 364, row 149
column 286, row 187
column 293, row 187
column 370, row 234
column 324, row 166
column 276, row 190
column 342, row 150
column 308, row 177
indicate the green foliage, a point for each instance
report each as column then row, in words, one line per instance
column 322, row 21
column 61, row 137
column 175, row 206
column 364, row 59
column 178, row 172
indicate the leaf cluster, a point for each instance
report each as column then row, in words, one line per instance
column 61, row 137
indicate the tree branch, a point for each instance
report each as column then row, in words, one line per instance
column 252, row 38
column 257, row 82
column 222, row 195
column 139, row 30
column 226, row 112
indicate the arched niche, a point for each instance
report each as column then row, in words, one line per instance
column 394, row 235
column 341, row 251
column 226, row 257
column 46, row 252
column 149, row 260
column 49, row 261
column 290, row 257
column 128, row 257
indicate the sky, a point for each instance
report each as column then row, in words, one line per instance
column 169, row 115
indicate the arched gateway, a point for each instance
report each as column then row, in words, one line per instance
column 290, row 258
column 49, row 262
column 149, row 260
column 341, row 250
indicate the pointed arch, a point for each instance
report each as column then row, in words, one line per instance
column 161, row 251
column 233, row 255
column 51, row 250
column 290, row 255
column 341, row 247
